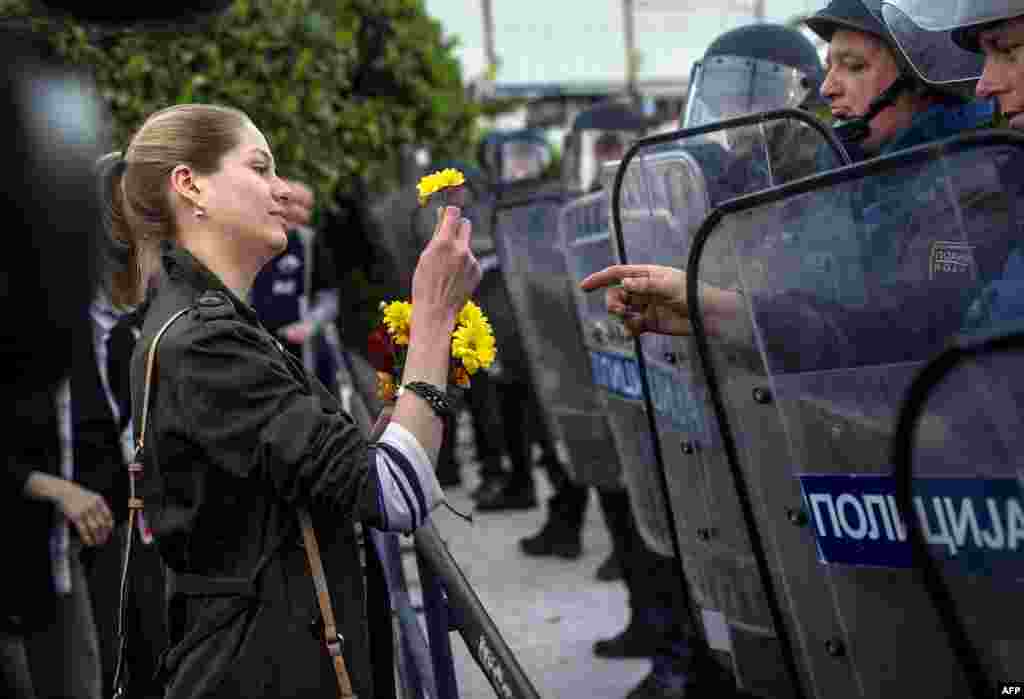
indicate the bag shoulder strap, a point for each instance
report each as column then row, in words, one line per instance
column 150, row 363
column 333, row 639
column 135, row 505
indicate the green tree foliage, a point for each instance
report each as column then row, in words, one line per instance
column 336, row 86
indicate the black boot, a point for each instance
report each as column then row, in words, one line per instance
column 562, row 532
column 510, row 496
column 635, row 641
column 556, row 538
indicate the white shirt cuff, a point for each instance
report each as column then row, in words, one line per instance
column 409, row 489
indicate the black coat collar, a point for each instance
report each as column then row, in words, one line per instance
column 183, row 270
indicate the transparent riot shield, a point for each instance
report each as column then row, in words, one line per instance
column 957, row 457
column 665, row 188
column 533, row 267
column 587, row 247
column 813, row 306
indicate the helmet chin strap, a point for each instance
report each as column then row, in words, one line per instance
column 858, row 128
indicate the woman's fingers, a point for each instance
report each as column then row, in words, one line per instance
column 448, row 226
column 464, row 231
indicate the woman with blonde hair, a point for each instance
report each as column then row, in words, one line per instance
column 238, row 442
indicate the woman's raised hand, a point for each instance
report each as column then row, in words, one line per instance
column 447, row 272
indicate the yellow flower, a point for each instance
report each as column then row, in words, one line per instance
column 396, row 317
column 471, row 313
column 473, row 344
column 435, row 182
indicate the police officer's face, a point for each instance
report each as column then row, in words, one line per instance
column 860, row 68
column 245, row 199
column 1003, row 77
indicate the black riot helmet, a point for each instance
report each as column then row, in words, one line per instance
column 866, row 16
column 751, row 69
column 940, row 37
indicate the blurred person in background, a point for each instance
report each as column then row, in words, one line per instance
column 295, row 302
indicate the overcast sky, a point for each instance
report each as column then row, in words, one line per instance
column 563, row 40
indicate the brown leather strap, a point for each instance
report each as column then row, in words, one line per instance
column 332, row 637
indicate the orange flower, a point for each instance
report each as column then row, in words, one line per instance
column 461, row 377
column 386, row 389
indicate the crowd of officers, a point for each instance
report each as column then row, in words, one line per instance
column 65, row 644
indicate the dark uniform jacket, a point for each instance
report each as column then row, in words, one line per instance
column 239, row 436
column 902, row 228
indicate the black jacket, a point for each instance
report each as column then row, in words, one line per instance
column 238, row 437
column 32, row 444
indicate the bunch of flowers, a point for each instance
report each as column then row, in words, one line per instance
column 472, row 347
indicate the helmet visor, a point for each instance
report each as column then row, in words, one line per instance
column 725, row 87
column 945, row 15
column 927, row 42
column 523, row 160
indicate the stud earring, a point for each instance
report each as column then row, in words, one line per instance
column 199, row 212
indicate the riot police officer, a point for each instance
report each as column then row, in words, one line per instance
column 996, row 31
column 954, row 33
column 751, row 69
column 881, row 104
column 512, row 159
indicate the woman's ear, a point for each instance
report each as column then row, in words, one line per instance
column 184, row 184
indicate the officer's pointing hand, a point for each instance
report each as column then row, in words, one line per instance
column 648, row 298
column 652, row 298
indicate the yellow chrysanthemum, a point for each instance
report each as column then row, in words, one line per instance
column 435, row 182
column 396, row 317
column 471, row 313
column 473, row 345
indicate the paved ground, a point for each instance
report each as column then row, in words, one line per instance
column 549, row 610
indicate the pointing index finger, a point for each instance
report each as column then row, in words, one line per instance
column 613, row 275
